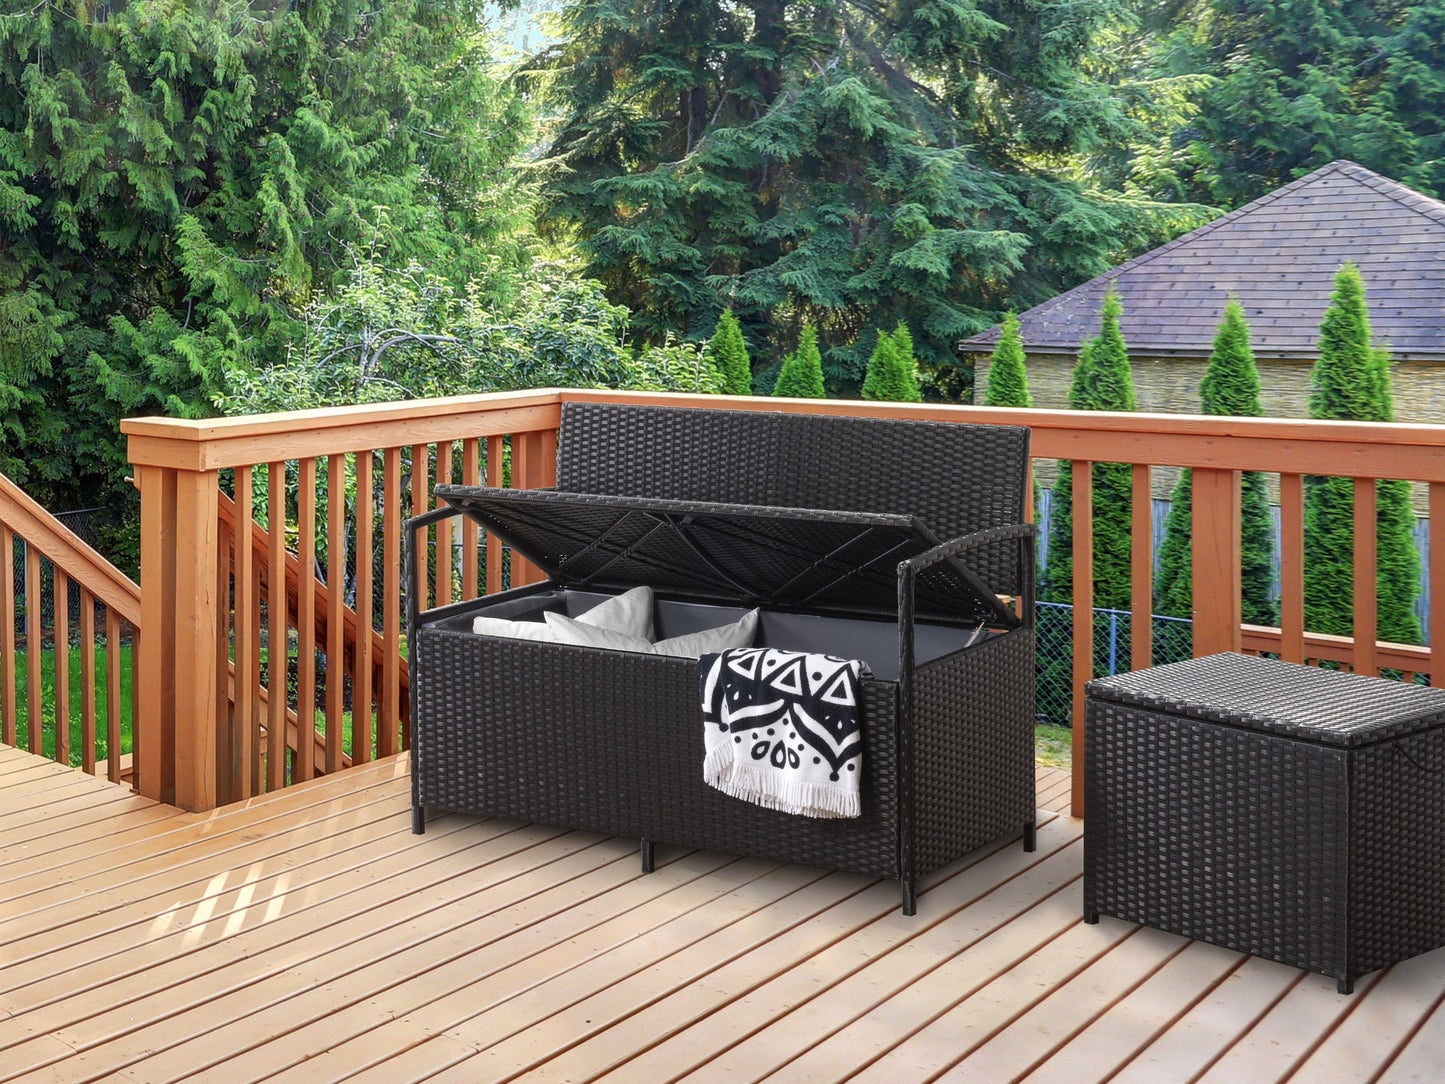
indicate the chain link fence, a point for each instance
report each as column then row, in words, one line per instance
column 82, row 523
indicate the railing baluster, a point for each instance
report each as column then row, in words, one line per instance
column 1215, row 560
column 304, row 764
column 420, row 464
column 361, row 676
column 8, row 728
column 471, row 473
column 386, row 731
column 1365, row 574
column 1292, row 568
column 112, row 694
column 335, row 603
column 87, row 683
column 248, row 672
column 1437, row 584
column 278, row 637
column 496, row 459
column 227, row 724
column 1141, row 562
column 60, row 603
column 1083, row 547
column 34, row 653
column 444, row 528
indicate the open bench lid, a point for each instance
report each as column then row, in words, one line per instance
column 817, row 561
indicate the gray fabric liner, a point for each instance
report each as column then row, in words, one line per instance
column 875, row 642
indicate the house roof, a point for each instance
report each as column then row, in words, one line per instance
column 1278, row 256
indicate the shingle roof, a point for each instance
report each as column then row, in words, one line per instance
column 1278, row 256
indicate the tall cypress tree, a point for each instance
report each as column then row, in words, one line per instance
column 1102, row 381
column 1008, row 378
column 860, row 163
column 729, row 355
column 1351, row 380
column 892, row 370
column 1230, row 387
column 801, row 376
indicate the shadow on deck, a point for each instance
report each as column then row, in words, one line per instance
column 310, row 936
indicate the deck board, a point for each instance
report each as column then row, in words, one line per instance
column 309, row 936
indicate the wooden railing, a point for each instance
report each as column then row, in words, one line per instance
column 193, row 753
column 71, row 713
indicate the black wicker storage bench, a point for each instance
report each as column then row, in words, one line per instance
column 1281, row 810
column 831, row 528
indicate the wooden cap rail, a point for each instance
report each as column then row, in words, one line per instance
column 186, row 533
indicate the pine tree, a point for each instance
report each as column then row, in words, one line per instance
column 858, row 164
column 1351, row 380
column 892, row 370
column 1008, row 378
column 729, row 355
column 178, row 179
column 802, row 374
column 1230, row 387
column 1102, row 381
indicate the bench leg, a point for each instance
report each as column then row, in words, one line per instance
column 418, row 820
column 910, row 900
column 1344, row 986
column 648, row 864
column 1031, row 837
column 1091, row 918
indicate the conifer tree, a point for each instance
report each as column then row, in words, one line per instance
column 729, row 354
column 892, row 370
column 1351, row 380
column 876, row 162
column 801, row 376
column 178, row 179
column 1102, row 381
column 1230, row 387
column 1008, row 378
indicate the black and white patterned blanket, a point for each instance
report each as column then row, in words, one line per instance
column 782, row 729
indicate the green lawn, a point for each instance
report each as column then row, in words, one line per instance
column 47, row 687
column 1054, row 746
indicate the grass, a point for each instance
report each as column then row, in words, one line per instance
column 1054, row 746
column 47, row 694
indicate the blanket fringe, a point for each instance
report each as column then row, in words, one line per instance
column 823, row 800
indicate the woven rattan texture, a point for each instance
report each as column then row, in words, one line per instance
column 1280, row 697
column 973, row 748
column 956, row 478
column 1228, row 836
column 612, row 742
column 1397, row 850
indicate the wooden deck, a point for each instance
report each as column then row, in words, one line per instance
column 309, row 936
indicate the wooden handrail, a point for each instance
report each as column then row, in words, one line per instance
column 68, row 552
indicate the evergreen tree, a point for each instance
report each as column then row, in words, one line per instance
column 176, row 179
column 1102, row 381
column 892, row 370
column 729, row 354
column 1351, row 380
column 802, row 374
column 1294, row 85
column 1230, row 387
column 859, row 163
column 1008, row 378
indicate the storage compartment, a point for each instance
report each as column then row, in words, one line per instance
column 612, row 741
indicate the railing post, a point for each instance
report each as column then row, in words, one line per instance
column 180, row 694
column 1216, row 561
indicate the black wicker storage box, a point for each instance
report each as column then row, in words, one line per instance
column 1281, row 810
column 812, row 521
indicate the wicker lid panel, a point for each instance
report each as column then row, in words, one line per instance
column 1326, row 706
column 808, row 559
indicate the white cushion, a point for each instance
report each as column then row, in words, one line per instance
column 567, row 631
column 520, row 630
column 738, row 634
column 692, row 644
column 629, row 613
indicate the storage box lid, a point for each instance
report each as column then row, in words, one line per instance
column 780, row 558
column 1330, row 707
